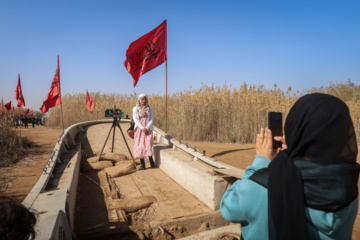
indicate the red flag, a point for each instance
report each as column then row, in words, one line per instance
column 8, row 106
column 27, row 111
column 32, row 113
column 90, row 103
column 18, row 94
column 2, row 106
column 54, row 95
column 147, row 52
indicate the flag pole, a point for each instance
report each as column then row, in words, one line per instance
column 166, row 99
column 19, row 122
column 61, row 110
column 62, row 116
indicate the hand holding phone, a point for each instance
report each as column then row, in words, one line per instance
column 264, row 144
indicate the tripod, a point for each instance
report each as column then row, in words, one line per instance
column 114, row 125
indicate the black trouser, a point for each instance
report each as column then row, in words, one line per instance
column 142, row 163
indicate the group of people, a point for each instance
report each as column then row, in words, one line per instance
column 24, row 121
column 307, row 189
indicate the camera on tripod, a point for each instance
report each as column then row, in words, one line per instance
column 112, row 113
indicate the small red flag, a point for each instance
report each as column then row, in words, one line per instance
column 90, row 103
column 2, row 106
column 27, row 111
column 147, row 52
column 18, row 94
column 8, row 106
column 54, row 95
column 32, row 113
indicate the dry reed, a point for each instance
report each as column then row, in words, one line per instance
column 211, row 113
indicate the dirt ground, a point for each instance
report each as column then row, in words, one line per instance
column 17, row 181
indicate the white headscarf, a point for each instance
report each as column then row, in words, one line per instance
column 141, row 96
column 143, row 110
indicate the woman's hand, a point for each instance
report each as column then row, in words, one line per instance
column 282, row 140
column 145, row 131
column 264, row 144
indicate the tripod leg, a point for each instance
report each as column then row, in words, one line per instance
column 112, row 148
column 106, row 141
column 125, row 142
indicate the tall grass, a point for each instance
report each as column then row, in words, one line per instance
column 211, row 113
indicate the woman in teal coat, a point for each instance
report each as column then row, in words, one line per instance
column 308, row 189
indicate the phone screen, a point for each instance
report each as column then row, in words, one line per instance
column 275, row 125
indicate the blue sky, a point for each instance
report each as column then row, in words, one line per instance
column 302, row 44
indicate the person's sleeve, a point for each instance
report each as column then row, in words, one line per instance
column 136, row 119
column 151, row 120
column 259, row 162
column 237, row 200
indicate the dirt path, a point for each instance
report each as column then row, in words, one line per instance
column 21, row 177
column 18, row 179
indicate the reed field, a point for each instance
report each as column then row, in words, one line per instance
column 211, row 113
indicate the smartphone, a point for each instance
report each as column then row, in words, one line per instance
column 275, row 125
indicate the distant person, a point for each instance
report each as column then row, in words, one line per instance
column 309, row 189
column 16, row 122
column 33, row 122
column 20, row 122
column 16, row 222
column 26, row 120
column 143, row 132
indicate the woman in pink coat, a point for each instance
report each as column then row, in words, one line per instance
column 143, row 133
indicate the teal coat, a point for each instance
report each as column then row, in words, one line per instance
column 245, row 202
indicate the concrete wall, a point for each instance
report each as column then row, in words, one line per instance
column 195, row 176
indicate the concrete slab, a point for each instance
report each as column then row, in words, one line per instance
column 173, row 199
column 127, row 186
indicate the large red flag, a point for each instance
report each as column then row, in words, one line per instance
column 147, row 52
column 54, row 95
column 18, row 94
column 90, row 103
column 2, row 106
column 27, row 111
column 8, row 106
column 32, row 113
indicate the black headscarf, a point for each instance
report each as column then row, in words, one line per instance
column 319, row 168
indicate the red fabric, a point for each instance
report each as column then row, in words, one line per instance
column 8, row 106
column 18, row 94
column 27, row 111
column 147, row 52
column 54, row 95
column 2, row 106
column 90, row 103
column 32, row 113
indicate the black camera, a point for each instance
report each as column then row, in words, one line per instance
column 112, row 112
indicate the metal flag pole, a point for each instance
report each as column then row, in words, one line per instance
column 19, row 122
column 166, row 99
column 61, row 110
